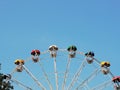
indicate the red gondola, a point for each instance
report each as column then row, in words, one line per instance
column 35, row 55
column 35, row 52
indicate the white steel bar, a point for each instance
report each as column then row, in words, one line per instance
column 77, row 74
column 34, row 78
column 102, row 86
column 20, row 84
column 46, row 76
column 56, row 73
column 66, row 73
column 87, row 80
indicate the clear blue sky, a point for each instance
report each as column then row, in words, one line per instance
column 89, row 24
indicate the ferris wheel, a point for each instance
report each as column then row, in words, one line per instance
column 63, row 69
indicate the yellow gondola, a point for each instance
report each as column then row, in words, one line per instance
column 19, row 61
column 105, row 63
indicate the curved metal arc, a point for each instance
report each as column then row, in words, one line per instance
column 97, row 61
column 13, row 71
column 45, row 52
column 81, row 53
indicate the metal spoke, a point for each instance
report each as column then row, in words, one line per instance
column 56, row 73
column 34, row 78
column 102, row 86
column 66, row 73
column 77, row 74
column 87, row 80
column 20, row 84
column 46, row 76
